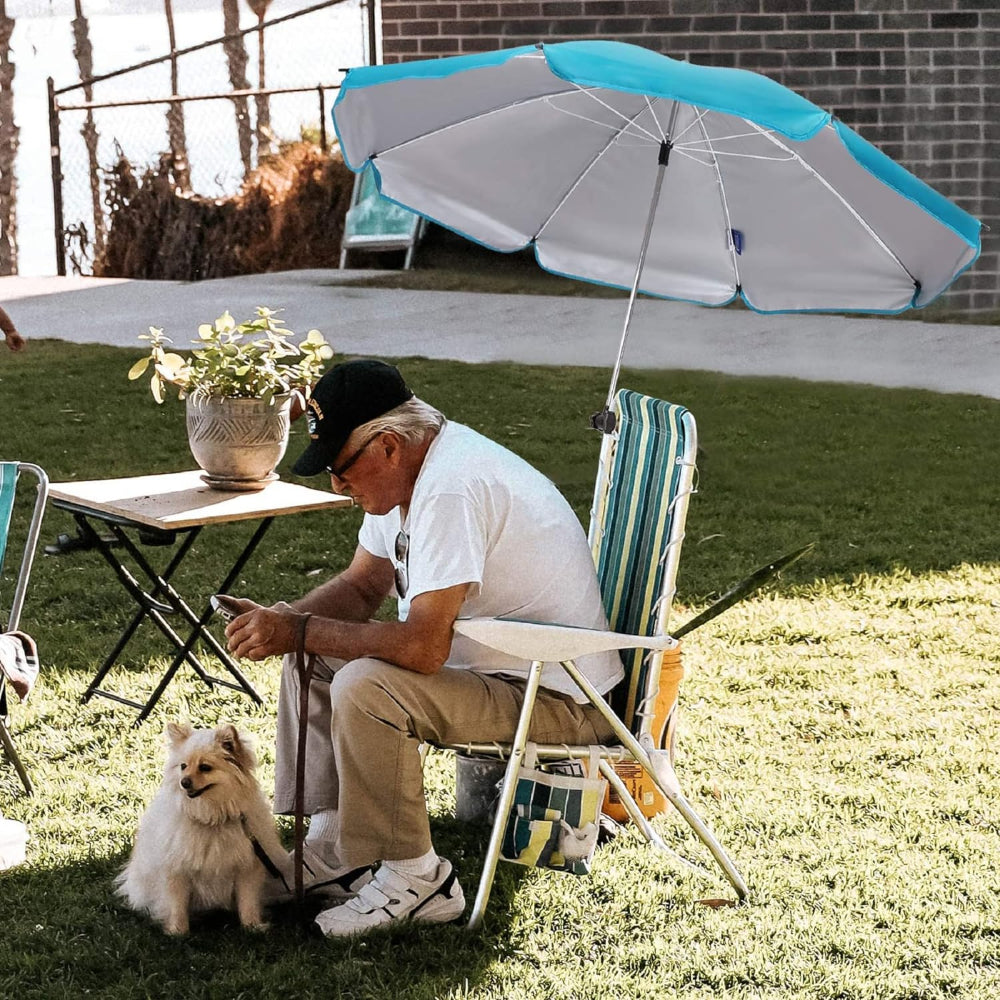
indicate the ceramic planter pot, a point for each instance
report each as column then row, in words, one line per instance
column 238, row 442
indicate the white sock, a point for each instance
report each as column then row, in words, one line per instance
column 422, row 867
column 324, row 827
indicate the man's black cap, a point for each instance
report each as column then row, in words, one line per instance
column 347, row 396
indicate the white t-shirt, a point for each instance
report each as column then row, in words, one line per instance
column 481, row 515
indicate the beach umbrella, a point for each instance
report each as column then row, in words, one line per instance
column 628, row 168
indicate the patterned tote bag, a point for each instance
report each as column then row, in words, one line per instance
column 555, row 818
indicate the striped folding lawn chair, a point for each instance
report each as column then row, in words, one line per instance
column 9, row 472
column 644, row 482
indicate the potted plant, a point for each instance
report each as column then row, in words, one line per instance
column 240, row 383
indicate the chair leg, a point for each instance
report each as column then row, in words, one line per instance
column 657, row 765
column 640, row 820
column 706, row 836
column 8, row 745
column 506, row 800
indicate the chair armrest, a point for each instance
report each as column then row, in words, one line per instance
column 552, row 643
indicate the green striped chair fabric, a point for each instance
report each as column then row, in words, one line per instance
column 639, row 521
column 8, row 484
column 9, row 472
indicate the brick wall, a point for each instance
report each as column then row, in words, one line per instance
column 919, row 78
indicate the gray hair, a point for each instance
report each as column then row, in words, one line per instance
column 412, row 421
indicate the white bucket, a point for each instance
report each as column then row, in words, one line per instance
column 13, row 838
column 476, row 782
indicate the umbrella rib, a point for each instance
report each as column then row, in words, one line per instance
column 843, row 201
column 688, row 155
column 586, row 170
column 647, row 138
column 724, row 200
column 523, row 102
column 591, row 92
column 722, row 138
column 471, row 118
column 692, row 146
column 656, row 121
column 692, row 152
column 696, row 121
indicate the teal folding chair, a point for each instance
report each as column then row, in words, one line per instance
column 645, row 480
column 376, row 223
column 9, row 473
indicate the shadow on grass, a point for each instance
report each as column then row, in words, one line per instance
column 66, row 934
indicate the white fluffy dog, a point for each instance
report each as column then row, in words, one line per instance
column 199, row 843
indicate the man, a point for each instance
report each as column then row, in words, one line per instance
column 455, row 525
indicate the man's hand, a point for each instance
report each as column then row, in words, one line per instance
column 259, row 632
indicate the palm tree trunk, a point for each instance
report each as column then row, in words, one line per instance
column 175, row 113
column 83, row 51
column 236, row 56
column 8, row 150
column 262, row 101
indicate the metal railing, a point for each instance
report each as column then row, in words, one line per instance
column 63, row 233
column 80, row 213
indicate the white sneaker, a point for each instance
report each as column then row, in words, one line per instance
column 391, row 896
column 319, row 880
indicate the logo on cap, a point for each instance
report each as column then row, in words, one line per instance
column 314, row 414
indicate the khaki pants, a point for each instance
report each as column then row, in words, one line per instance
column 367, row 719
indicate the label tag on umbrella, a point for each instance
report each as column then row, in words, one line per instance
column 736, row 238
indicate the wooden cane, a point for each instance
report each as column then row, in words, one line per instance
column 304, row 668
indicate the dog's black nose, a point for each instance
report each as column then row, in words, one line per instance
column 185, row 782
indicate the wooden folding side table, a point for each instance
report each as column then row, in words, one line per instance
column 160, row 509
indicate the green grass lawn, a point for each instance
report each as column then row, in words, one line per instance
column 838, row 731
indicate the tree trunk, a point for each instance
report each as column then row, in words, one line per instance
column 83, row 51
column 8, row 150
column 262, row 101
column 236, row 56
column 175, row 113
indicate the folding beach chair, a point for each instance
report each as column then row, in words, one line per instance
column 645, row 479
column 375, row 223
column 9, row 472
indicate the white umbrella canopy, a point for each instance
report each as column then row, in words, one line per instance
column 625, row 167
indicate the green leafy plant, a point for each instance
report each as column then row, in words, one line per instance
column 255, row 359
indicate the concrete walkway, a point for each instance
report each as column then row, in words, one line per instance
column 530, row 328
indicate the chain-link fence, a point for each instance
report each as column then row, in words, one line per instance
column 216, row 125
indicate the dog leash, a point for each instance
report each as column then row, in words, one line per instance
column 262, row 856
column 304, row 668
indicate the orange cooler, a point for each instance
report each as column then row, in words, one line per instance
column 636, row 780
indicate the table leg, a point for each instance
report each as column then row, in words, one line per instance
column 151, row 607
column 144, row 600
column 200, row 630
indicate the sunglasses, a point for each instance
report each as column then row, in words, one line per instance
column 338, row 473
column 402, row 550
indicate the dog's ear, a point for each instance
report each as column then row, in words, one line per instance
column 227, row 738
column 178, row 732
column 236, row 746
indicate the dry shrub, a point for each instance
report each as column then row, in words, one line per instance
column 289, row 214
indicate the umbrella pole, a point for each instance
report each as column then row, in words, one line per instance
column 605, row 420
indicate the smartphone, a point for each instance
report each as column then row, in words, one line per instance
column 225, row 606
